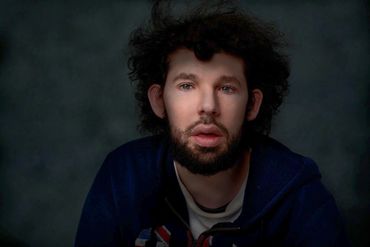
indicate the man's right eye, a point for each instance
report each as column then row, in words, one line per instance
column 186, row 86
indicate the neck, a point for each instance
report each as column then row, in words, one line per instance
column 217, row 190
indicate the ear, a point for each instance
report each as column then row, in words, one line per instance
column 155, row 95
column 255, row 104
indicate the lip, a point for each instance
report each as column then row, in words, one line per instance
column 207, row 135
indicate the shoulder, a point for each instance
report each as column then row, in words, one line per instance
column 134, row 172
column 278, row 174
column 135, row 165
column 123, row 194
column 145, row 151
column 283, row 163
column 289, row 184
column 138, row 147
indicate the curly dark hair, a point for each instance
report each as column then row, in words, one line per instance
column 207, row 30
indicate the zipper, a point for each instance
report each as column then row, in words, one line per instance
column 205, row 234
column 176, row 213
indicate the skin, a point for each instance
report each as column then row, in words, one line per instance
column 196, row 91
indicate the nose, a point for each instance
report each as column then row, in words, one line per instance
column 208, row 103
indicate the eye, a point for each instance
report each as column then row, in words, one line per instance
column 228, row 89
column 186, row 86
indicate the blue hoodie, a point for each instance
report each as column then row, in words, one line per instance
column 136, row 200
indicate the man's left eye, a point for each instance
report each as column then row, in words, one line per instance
column 227, row 89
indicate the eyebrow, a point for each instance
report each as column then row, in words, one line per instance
column 193, row 77
column 185, row 76
column 229, row 79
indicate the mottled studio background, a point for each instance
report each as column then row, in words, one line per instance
column 65, row 102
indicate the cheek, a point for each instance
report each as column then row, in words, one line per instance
column 234, row 115
column 179, row 111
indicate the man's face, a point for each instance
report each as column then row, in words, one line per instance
column 205, row 103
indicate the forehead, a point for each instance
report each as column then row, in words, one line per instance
column 221, row 64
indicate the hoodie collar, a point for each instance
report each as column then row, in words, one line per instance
column 274, row 171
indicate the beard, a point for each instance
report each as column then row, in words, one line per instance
column 206, row 161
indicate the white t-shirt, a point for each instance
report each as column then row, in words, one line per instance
column 200, row 220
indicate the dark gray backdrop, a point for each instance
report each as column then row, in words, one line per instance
column 65, row 102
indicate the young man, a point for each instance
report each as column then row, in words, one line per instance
column 208, row 85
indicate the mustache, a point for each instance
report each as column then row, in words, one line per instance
column 206, row 119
